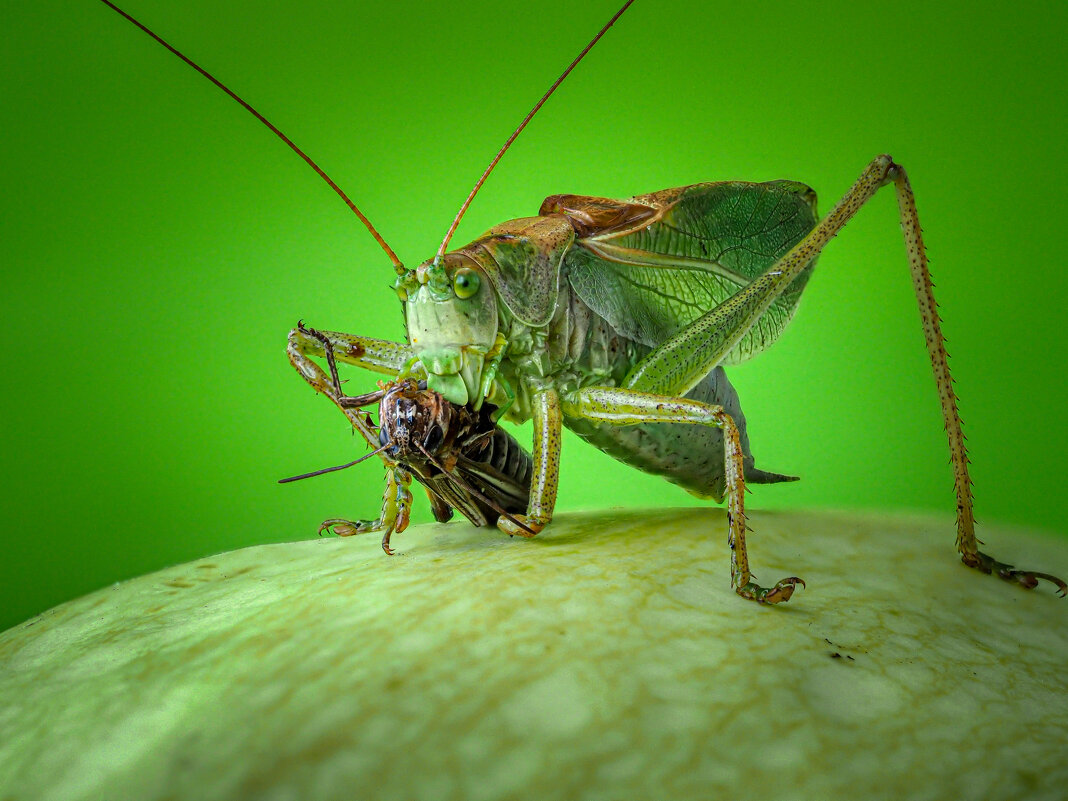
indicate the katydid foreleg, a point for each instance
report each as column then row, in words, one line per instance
column 373, row 354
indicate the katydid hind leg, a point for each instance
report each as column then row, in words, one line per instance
column 677, row 364
column 624, row 406
column 921, row 278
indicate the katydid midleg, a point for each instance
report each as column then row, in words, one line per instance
column 616, row 318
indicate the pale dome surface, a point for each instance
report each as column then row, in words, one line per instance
column 607, row 658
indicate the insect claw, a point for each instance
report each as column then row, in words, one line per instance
column 339, row 527
column 1028, row 579
column 1062, row 588
column 780, row 593
column 1025, row 580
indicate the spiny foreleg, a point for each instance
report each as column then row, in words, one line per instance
column 373, row 354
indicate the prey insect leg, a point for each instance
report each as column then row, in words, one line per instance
column 396, row 511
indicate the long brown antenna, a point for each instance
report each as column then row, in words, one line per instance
column 319, row 170
column 522, row 125
column 325, row 470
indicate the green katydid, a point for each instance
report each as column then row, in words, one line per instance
column 616, row 317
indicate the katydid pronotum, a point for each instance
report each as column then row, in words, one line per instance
column 615, row 318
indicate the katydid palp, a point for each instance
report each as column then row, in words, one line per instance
column 576, row 317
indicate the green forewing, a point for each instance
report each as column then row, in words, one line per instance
column 712, row 240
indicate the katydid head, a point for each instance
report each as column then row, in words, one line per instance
column 450, row 303
column 451, row 313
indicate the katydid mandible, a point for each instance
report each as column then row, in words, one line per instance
column 616, row 318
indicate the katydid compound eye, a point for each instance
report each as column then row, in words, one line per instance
column 403, row 286
column 465, row 283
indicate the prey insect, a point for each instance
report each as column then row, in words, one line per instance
column 463, row 459
column 616, row 318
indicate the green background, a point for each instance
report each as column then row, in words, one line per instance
column 159, row 243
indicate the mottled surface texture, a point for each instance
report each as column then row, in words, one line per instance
column 605, row 659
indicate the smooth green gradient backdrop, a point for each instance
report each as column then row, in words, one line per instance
column 159, row 243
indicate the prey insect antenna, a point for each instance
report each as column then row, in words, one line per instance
column 308, row 159
column 522, row 125
column 335, row 468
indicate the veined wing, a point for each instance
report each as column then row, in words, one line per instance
column 706, row 242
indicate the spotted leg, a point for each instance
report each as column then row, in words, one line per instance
column 621, row 406
column 372, row 354
column 548, row 427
